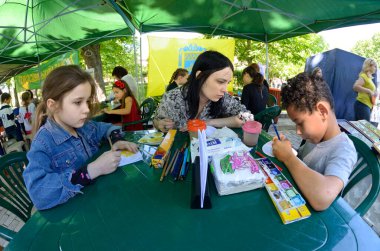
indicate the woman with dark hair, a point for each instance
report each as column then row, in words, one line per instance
column 204, row 96
column 255, row 94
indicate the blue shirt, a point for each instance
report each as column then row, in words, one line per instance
column 53, row 157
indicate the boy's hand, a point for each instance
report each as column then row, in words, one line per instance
column 282, row 149
column 105, row 164
column 125, row 145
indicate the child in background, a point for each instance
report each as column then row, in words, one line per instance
column 129, row 109
column 27, row 113
column 8, row 118
column 327, row 158
column 65, row 140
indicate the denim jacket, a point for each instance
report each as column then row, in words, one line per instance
column 53, row 157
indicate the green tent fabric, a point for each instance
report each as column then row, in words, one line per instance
column 261, row 20
column 32, row 31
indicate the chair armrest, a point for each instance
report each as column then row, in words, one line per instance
column 7, row 234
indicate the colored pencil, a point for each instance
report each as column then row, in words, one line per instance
column 165, row 166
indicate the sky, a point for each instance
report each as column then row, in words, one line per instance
column 344, row 38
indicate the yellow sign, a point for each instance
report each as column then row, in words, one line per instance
column 168, row 54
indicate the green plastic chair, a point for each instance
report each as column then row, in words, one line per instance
column 147, row 108
column 265, row 117
column 272, row 100
column 13, row 194
column 367, row 164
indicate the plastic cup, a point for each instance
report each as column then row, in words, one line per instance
column 251, row 132
column 193, row 125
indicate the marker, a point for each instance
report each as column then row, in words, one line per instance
column 275, row 129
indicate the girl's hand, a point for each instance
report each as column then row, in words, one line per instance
column 125, row 145
column 282, row 149
column 165, row 125
column 106, row 110
column 105, row 164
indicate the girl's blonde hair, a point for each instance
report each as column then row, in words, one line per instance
column 57, row 84
column 368, row 63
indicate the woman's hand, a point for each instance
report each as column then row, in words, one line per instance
column 125, row 145
column 282, row 149
column 164, row 125
column 104, row 164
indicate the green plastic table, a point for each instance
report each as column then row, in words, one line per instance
column 132, row 210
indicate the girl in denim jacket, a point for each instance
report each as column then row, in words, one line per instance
column 65, row 140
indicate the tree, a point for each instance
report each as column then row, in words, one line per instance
column 368, row 48
column 91, row 56
column 118, row 51
column 103, row 57
column 286, row 57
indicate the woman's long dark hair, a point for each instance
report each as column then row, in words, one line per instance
column 207, row 63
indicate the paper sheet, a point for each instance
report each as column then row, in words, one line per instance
column 128, row 157
column 203, row 163
column 267, row 149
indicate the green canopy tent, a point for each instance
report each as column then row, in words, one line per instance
column 260, row 20
column 32, row 31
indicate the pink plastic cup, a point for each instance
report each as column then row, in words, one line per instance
column 251, row 132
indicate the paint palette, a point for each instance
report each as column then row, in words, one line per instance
column 288, row 202
column 154, row 138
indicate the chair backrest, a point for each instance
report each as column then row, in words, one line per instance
column 367, row 164
column 13, row 194
column 272, row 100
column 265, row 117
column 147, row 108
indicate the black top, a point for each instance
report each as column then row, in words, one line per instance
column 171, row 86
column 266, row 83
column 253, row 98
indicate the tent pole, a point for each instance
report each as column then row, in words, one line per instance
column 266, row 58
column 136, row 67
column 141, row 72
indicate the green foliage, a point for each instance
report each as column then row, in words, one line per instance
column 118, row 51
column 114, row 52
column 368, row 48
column 286, row 57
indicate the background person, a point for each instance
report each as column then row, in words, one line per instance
column 255, row 94
column 366, row 90
column 129, row 109
column 204, row 96
column 327, row 158
column 120, row 73
column 317, row 73
column 65, row 140
column 256, row 67
column 178, row 78
column 27, row 113
column 8, row 118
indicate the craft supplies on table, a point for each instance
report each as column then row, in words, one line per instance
column 236, row 172
column 288, row 202
column 163, row 149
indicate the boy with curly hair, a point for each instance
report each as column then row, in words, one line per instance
column 327, row 158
